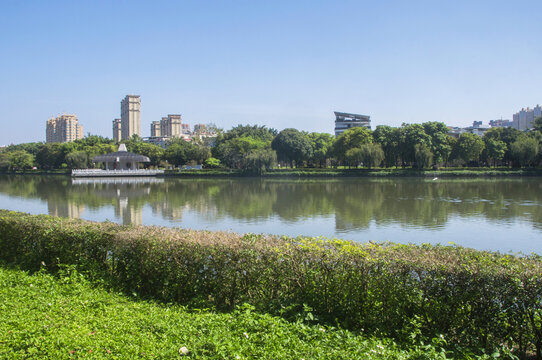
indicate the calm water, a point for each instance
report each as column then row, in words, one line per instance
column 492, row 214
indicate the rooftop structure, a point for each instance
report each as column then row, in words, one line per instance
column 345, row 121
column 121, row 159
column 63, row 128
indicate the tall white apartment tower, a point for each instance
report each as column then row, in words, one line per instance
column 130, row 116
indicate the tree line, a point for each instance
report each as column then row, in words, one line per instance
column 258, row 148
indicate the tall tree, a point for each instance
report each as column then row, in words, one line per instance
column 494, row 149
column 440, row 144
column 351, row 138
column 321, row 147
column 388, row 138
column 470, row 147
column 524, row 151
column 410, row 136
column 292, row 146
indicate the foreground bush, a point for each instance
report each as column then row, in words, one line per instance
column 44, row 317
column 471, row 299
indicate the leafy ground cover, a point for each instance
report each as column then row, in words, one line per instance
column 65, row 317
column 457, row 297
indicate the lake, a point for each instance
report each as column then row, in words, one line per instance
column 488, row 214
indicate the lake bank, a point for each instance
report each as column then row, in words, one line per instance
column 382, row 289
column 329, row 173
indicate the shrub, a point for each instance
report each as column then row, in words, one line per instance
column 471, row 298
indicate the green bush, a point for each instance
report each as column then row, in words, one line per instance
column 472, row 299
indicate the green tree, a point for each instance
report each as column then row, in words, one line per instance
column 354, row 156
column 50, row 156
column 322, row 144
column 177, row 153
column 388, row 138
column 5, row 161
column 372, row 155
column 351, row 138
column 537, row 125
column 440, row 144
column 20, row 160
column 423, row 156
column 412, row 135
column 494, row 149
column 212, row 163
column 260, row 160
column 291, row 146
column 470, row 147
column 507, row 135
column 524, row 151
column 77, row 160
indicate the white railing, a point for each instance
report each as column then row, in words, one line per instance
column 100, row 173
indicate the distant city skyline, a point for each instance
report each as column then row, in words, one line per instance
column 279, row 64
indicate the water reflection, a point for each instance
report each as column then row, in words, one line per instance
column 353, row 204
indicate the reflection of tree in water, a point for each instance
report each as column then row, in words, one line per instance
column 355, row 203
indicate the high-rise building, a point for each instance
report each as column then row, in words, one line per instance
column 130, row 116
column 117, row 130
column 524, row 119
column 185, row 128
column 170, row 126
column 63, row 128
column 155, row 129
column 345, row 121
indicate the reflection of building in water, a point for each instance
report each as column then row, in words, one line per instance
column 65, row 209
column 129, row 215
column 127, row 192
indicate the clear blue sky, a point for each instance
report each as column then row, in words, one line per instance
column 275, row 63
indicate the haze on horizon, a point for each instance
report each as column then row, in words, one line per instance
column 275, row 63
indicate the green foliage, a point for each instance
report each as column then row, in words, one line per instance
column 181, row 152
column 20, row 160
column 350, row 139
column 389, row 139
column 410, row 136
column 423, row 156
column 494, row 149
column 537, row 125
column 370, row 155
column 524, row 151
column 479, row 301
column 66, row 317
column 440, row 140
column 292, row 146
column 469, row 147
column 321, row 148
column 259, row 160
column 212, row 163
column 4, row 161
column 77, row 160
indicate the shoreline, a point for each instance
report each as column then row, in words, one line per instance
column 326, row 173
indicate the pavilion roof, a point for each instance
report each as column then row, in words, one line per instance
column 121, row 155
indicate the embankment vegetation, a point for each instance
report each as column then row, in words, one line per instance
column 474, row 302
column 257, row 150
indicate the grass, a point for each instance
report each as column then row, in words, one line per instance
column 66, row 317
column 360, row 172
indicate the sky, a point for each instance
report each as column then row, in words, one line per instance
column 276, row 63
